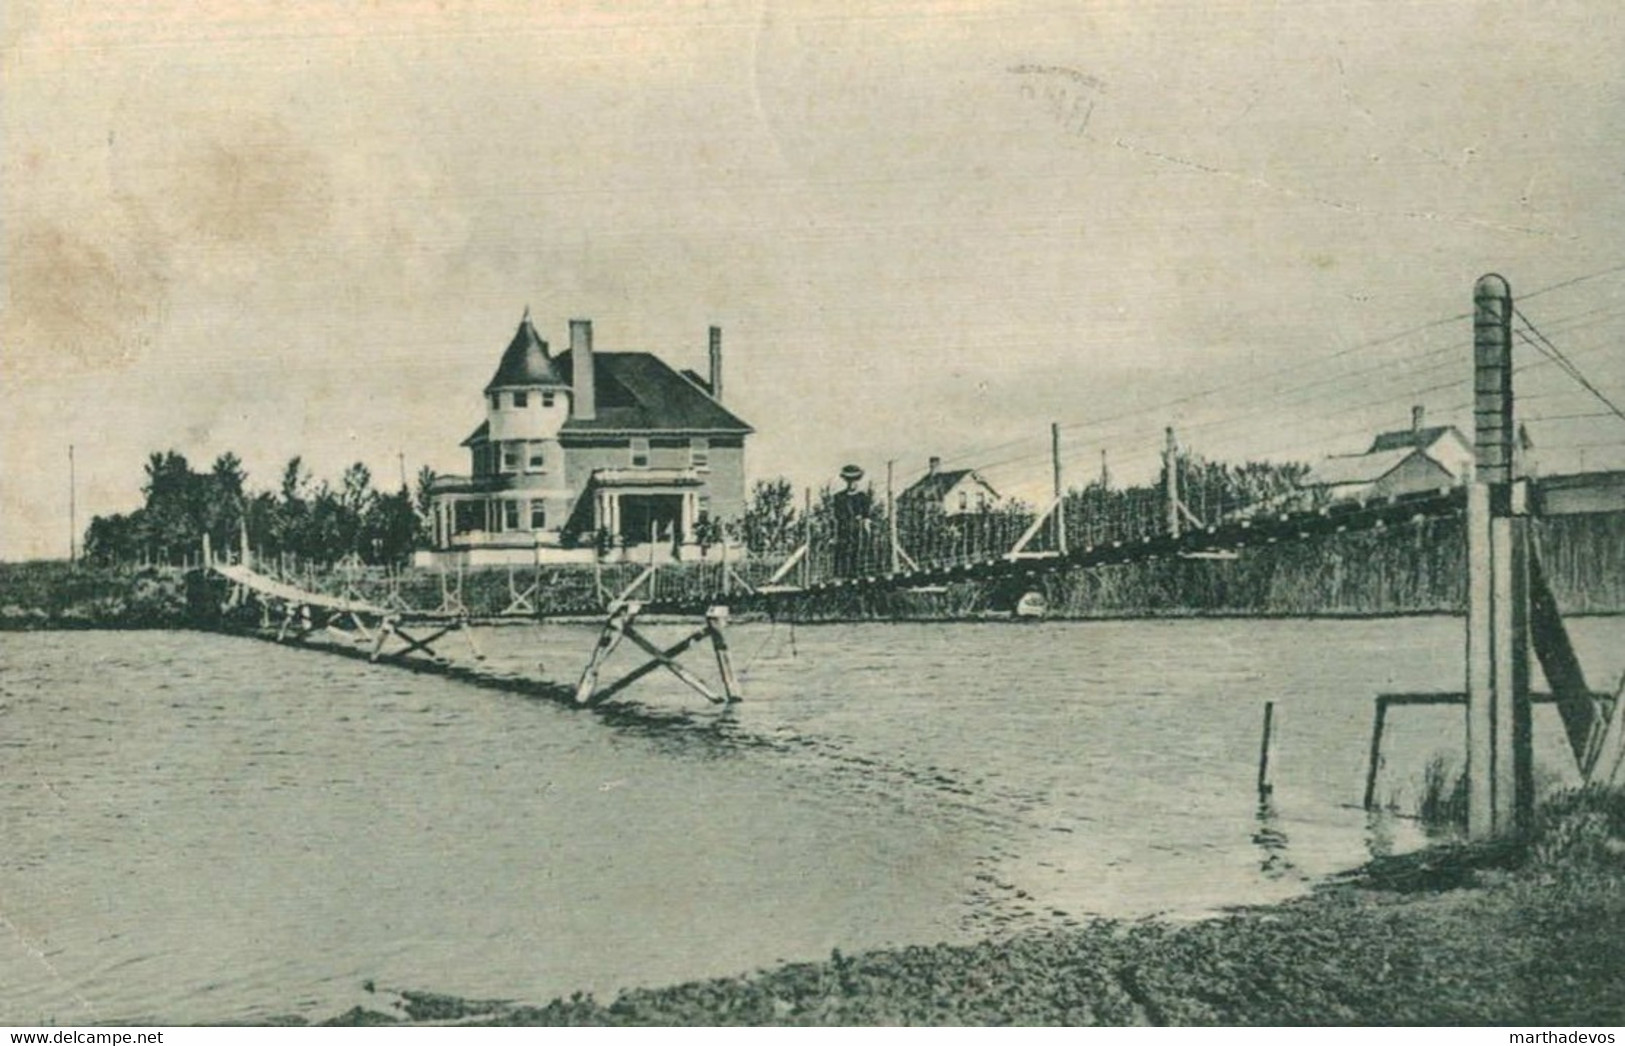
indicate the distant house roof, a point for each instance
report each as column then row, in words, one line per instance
column 1346, row 469
column 1407, row 438
column 934, row 486
column 525, row 361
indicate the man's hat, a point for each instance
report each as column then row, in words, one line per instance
column 851, row 473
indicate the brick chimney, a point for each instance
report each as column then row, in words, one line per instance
column 716, row 364
column 584, row 398
column 1418, row 414
column 935, row 465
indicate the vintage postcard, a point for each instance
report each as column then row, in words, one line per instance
column 946, row 512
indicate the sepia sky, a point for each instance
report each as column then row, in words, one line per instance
column 926, row 228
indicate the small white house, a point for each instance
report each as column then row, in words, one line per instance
column 953, row 492
column 1405, row 461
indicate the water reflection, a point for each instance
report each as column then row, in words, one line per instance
column 1380, row 824
column 1271, row 840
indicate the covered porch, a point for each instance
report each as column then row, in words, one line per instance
column 644, row 508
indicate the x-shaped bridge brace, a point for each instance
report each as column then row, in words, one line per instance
column 621, row 626
column 395, row 626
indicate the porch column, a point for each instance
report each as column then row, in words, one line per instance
column 691, row 514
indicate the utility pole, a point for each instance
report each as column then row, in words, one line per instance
column 401, row 455
column 1500, row 761
column 1170, row 481
column 891, row 512
column 1105, row 472
column 73, row 510
column 806, row 535
column 1060, row 491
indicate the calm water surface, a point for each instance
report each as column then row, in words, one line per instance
column 201, row 828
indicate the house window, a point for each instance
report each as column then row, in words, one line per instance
column 510, row 457
column 640, row 453
column 510, row 515
column 538, row 515
column 699, row 452
column 705, row 507
column 964, row 500
column 547, row 399
column 537, row 459
column 521, row 400
column 496, row 400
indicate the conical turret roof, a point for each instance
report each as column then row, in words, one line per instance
column 525, row 361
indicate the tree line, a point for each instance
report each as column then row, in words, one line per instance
column 1097, row 513
column 326, row 522
column 315, row 520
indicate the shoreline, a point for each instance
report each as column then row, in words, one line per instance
column 1506, row 934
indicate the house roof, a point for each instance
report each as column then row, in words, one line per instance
column 1357, row 468
column 638, row 392
column 934, row 486
column 525, row 361
column 1407, row 438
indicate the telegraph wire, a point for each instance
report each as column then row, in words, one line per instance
column 1277, row 397
column 1566, row 364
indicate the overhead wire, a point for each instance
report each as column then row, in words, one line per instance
column 1567, row 365
column 1111, row 440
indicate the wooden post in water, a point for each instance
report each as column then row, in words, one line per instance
column 1374, row 761
column 1266, row 747
column 1500, row 758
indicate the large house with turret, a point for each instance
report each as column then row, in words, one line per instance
column 587, row 451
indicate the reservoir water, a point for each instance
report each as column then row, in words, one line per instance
column 199, row 828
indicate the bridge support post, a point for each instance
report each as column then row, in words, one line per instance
column 620, row 626
column 716, row 620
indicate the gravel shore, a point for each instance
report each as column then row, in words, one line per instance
column 1522, row 933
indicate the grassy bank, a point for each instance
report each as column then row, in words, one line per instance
column 58, row 595
column 1417, row 568
column 1522, row 935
